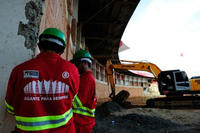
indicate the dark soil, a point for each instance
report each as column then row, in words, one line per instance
column 112, row 118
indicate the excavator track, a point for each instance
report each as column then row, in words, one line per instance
column 174, row 102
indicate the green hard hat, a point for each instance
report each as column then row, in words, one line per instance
column 82, row 54
column 53, row 33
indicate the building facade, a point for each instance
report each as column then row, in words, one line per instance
column 21, row 23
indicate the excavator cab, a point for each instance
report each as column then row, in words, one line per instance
column 173, row 82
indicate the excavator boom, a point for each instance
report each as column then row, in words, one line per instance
column 129, row 65
column 140, row 66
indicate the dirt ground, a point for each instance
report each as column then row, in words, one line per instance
column 112, row 118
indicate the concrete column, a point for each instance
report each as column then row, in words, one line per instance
column 18, row 42
column 12, row 50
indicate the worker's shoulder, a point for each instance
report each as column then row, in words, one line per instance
column 24, row 64
column 88, row 75
column 67, row 64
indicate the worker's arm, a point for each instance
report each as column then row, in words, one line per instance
column 10, row 93
column 75, row 80
column 92, row 100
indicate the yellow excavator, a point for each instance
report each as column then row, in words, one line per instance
column 172, row 83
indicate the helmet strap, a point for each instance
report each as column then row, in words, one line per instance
column 86, row 59
column 52, row 40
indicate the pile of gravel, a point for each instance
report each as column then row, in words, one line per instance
column 107, row 121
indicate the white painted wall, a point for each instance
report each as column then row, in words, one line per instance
column 12, row 50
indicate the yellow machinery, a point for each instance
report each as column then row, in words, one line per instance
column 130, row 65
column 172, row 82
column 195, row 83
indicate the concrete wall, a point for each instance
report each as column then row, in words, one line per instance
column 21, row 23
column 55, row 16
column 12, row 48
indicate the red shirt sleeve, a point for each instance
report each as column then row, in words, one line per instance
column 75, row 80
column 92, row 99
column 9, row 99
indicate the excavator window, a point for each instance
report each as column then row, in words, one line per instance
column 181, row 76
column 166, row 81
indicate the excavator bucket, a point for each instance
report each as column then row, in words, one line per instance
column 121, row 97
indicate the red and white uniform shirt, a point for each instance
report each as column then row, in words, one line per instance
column 43, row 87
column 87, row 96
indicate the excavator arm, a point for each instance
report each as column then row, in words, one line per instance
column 129, row 65
column 111, row 79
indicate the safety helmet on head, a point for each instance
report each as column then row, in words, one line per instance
column 53, row 35
column 83, row 55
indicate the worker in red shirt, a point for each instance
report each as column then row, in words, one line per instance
column 84, row 103
column 40, row 91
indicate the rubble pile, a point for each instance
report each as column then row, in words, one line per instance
column 112, row 118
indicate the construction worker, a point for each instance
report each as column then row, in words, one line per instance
column 40, row 91
column 84, row 103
